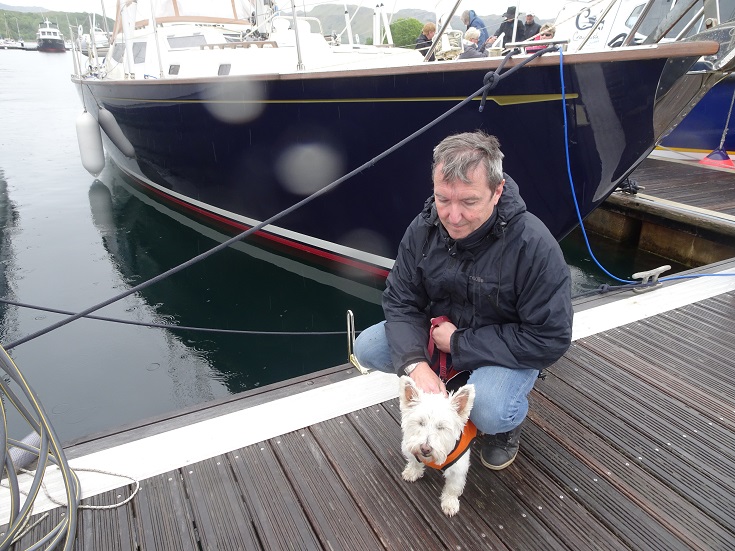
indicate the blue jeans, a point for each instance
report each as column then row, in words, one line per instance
column 501, row 394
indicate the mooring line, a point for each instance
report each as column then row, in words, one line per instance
column 168, row 326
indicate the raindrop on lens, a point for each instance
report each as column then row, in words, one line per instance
column 306, row 168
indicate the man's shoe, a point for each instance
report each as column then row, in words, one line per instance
column 500, row 450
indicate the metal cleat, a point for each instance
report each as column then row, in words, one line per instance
column 649, row 279
column 351, row 343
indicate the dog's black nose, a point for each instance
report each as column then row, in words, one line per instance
column 425, row 450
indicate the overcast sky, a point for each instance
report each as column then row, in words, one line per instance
column 546, row 9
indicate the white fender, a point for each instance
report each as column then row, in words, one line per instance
column 90, row 144
column 112, row 129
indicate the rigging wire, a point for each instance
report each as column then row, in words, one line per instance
column 169, row 326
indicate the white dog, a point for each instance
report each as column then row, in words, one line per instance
column 437, row 432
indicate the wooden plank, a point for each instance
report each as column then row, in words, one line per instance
column 221, row 518
column 277, row 515
column 651, row 373
column 599, row 490
column 688, row 183
column 635, row 481
column 571, row 521
column 673, row 359
column 338, row 523
column 45, row 523
column 164, row 520
column 105, row 528
column 682, row 463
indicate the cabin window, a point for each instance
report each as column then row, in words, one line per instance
column 173, row 69
column 634, row 15
column 224, row 69
column 192, row 41
column 139, row 52
column 118, row 51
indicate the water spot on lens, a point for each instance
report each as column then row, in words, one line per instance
column 235, row 104
column 306, row 168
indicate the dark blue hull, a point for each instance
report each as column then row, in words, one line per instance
column 702, row 129
column 228, row 172
column 50, row 45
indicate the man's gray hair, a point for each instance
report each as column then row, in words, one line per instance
column 459, row 154
column 465, row 17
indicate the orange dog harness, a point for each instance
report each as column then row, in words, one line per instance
column 469, row 433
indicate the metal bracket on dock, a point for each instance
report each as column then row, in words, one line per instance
column 649, row 279
column 351, row 344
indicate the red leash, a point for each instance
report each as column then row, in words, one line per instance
column 441, row 363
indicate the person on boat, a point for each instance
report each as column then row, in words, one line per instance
column 507, row 26
column 546, row 32
column 471, row 48
column 497, row 279
column 530, row 27
column 425, row 39
column 470, row 19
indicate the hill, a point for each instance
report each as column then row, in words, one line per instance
column 22, row 9
column 27, row 22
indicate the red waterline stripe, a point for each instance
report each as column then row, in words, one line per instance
column 282, row 240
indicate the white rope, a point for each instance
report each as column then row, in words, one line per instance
column 53, row 500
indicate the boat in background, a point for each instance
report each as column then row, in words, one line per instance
column 235, row 116
column 709, row 126
column 49, row 38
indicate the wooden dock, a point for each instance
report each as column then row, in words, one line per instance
column 629, row 445
column 688, row 183
column 684, row 212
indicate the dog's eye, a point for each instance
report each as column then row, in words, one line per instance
column 422, row 423
column 440, row 427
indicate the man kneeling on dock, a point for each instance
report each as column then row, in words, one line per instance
column 476, row 256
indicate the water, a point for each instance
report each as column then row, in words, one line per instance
column 69, row 241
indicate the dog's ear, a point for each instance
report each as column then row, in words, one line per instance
column 463, row 400
column 408, row 392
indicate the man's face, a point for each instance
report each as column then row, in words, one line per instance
column 430, row 35
column 529, row 19
column 462, row 208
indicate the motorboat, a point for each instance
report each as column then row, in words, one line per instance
column 234, row 113
column 49, row 38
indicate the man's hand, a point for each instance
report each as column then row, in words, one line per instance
column 442, row 335
column 427, row 380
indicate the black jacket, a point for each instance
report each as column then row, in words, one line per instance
column 507, row 28
column 506, row 287
column 423, row 44
column 529, row 31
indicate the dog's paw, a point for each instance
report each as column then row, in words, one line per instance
column 413, row 471
column 450, row 505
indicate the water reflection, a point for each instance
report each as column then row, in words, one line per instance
column 243, row 287
column 8, row 222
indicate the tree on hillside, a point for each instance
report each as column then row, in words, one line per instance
column 406, row 31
